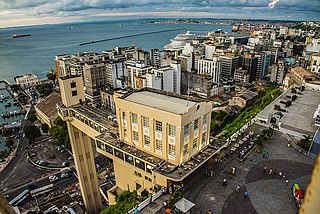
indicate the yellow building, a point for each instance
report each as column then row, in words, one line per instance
column 160, row 139
column 46, row 110
column 312, row 198
column 5, row 207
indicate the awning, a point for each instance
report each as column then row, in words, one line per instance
column 184, row 205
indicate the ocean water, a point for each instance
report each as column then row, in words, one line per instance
column 35, row 54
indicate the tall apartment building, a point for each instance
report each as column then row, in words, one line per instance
column 136, row 69
column 250, row 63
column 161, row 58
column 95, row 79
column 210, row 67
column 165, row 78
column 241, row 75
column 228, row 65
column 163, row 139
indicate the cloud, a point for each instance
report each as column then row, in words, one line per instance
column 21, row 9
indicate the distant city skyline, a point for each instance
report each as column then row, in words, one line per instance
column 32, row 12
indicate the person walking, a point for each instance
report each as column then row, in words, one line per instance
column 224, row 183
column 275, row 172
column 270, row 171
column 238, row 188
column 245, row 194
column 264, row 169
column 280, row 174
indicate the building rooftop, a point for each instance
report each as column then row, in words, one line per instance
column 161, row 101
column 302, row 72
column 48, row 105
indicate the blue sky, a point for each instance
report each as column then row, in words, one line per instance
column 28, row 12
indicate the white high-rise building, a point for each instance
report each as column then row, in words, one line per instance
column 211, row 67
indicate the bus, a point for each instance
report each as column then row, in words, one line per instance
column 23, row 195
column 41, row 190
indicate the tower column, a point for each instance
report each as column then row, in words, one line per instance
column 86, row 170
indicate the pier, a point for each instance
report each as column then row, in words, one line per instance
column 128, row 36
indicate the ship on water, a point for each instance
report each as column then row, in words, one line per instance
column 21, row 35
column 180, row 41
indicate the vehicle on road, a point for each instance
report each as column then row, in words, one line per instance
column 65, row 175
column 40, row 162
column 41, row 190
column 23, row 195
column 53, row 178
column 64, row 164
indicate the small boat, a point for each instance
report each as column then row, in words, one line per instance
column 71, row 27
column 120, row 25
column 21, row 35
column 1, row 100
column 7, row 105
column 15, row 103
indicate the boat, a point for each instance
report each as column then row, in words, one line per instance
column 180, row 41
column 120, row 25
column 15, row 103
column 70, row 27
column 7, row 105
column 1, row 100
column 21, row 35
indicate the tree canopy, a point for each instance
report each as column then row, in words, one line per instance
column 32, row 132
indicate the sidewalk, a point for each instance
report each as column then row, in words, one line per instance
column 9, row 158
column 155, row 206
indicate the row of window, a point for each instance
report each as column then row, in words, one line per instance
column 146, row 124
column 88, row 122
column 126, row 157
column 171, row 147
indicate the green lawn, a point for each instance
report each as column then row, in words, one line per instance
column 267, row 96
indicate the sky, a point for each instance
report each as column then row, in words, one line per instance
column 31, row 12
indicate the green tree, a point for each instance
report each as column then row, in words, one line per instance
column 9, row 144
column 32, row 132
column 45, row 128
column 15, row 87
column 32, row 117
column 52, row 74
column 59, row 122
column 305, row 142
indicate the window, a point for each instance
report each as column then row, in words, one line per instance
column 137, row 173
column 74, row 93
column 158, row 126
column 73, row 85
column 134, row 118
column 186, row 130
column 125, row 133
column 135, row 136
column 149, row 168
column 185, row 150
column 140, row 164
column 124, row 115
column 172, row 150
column 129, row 159
column 195, row 144
column 146, row 122
column 158, row 145
column 196, row 124
column 203, row 140
column 205, row 119
column 146, row 141
column 148, row 179
column 118, row 153
column 172, row 130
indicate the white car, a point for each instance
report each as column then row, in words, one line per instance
column 64, row 175
column 53, row 178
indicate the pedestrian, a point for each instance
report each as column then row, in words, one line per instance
column 210, row 212
column 165, row 204
column 238, row 188
column 267, row 155
column 224, row 183
column 284, row 175
column 275, row 172
column 264, row 169
column 280, row 174
column 246, row 194
column 270, row 171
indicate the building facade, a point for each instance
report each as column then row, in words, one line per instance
column 27, row 80
column 210, row 67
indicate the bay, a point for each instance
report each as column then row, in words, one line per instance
column 35, row 54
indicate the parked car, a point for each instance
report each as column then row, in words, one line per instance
column 53, row 178
column 64, row 164
column 64, row 175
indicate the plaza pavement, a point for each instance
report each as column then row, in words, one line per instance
column 267, row 193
